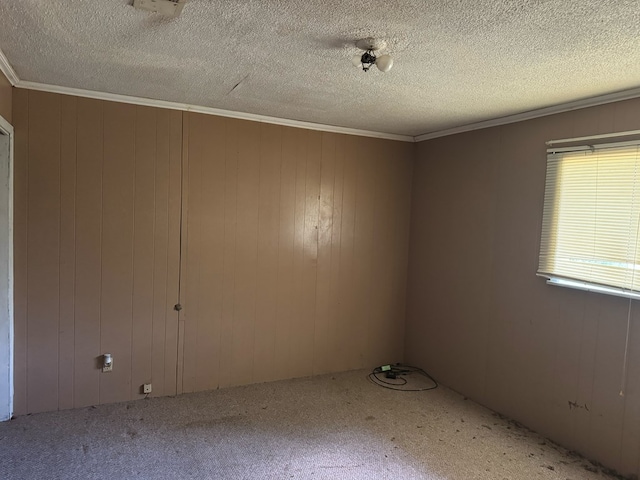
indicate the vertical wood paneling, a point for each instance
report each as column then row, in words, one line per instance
column 268, row 237
column 630, row 438
column 381, row 286
column 119, row 171
column 363, row 258
column 297, row 346
column 184, row 280
column 43, row 243
column 286, row 248
column 210, row 132
column 160, row 241
column 288, row 231
column 242, row 339
column 160, row 310
column 549, row 357
column 323, row 279
column 347, row 280
column 66, row 363
column 143, row 241
column 20, row 250
column 174, row 203
column 400, row 223
column 191, row 257
column 97, row 257
column 230, row 149
column 190, row 284
column 268, row 232
column 336, row 337
column 89, row 151
column 309, row 268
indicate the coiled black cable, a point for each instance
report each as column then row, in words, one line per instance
column 396, row 378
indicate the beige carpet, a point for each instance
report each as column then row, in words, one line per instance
column 329, row 427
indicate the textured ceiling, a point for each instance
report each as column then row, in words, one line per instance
column 456, row 62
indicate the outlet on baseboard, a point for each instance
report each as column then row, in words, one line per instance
column 146, row 388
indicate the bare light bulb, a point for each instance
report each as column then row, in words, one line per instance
column 384, row 63
column 356, row 60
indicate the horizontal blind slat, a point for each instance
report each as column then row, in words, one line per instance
column 591, row 215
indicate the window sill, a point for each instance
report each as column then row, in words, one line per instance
column 592, row 287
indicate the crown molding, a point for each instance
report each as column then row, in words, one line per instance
column 114, row 97
column 12, row 76
column 15, row 81
column 7, row 69
column 542, row 112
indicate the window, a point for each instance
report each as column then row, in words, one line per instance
column 591, row 218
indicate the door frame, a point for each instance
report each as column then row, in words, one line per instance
column 7, row 316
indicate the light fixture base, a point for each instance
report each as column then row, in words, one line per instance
column 370, row 43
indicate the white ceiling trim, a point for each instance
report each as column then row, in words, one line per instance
column 7, row 69
column 12, row 76
column 149, row 102
column 542, row 112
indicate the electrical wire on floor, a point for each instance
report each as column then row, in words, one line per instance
column 399, row 377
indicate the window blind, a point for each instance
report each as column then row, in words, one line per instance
column 591, row 215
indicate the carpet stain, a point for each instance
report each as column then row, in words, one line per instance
column 217, row 422
column 370, row 417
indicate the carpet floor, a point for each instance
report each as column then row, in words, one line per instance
column 337, row 426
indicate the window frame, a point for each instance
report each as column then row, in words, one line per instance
column 581, row 283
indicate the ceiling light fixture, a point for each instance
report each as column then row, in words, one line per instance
column 369, row 57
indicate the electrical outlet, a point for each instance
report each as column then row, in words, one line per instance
column 107, row 362
column 146, row 388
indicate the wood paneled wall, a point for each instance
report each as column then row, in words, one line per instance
column 481, row 321
column 97, row 232
column 294, row 251
column 6, row 95
column 294, row 254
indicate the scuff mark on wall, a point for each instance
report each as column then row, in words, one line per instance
column 573, row 405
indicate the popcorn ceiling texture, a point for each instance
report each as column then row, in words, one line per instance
column 456, row 62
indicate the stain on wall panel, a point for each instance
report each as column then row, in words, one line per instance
column 323, row 280
column 291, row 301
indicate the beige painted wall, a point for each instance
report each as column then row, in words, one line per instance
column 481, row 321
column 295, row 251
column 97, row 219
column 5, row 98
